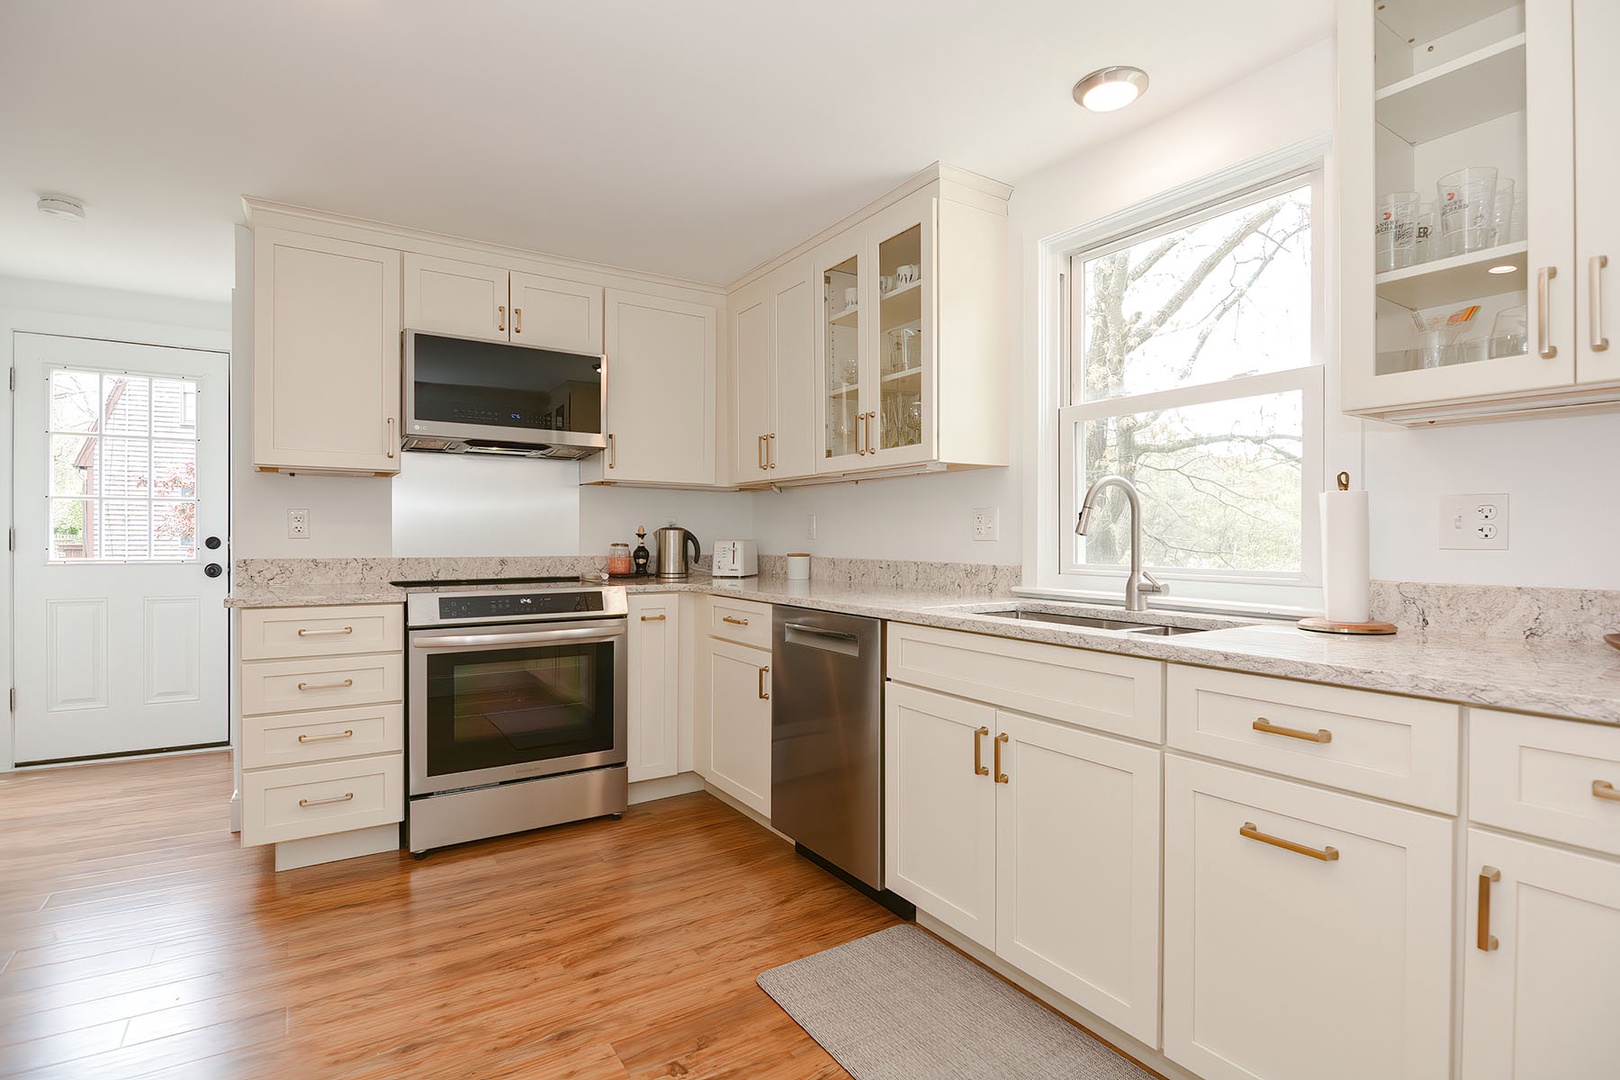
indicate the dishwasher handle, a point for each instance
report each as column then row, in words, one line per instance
column 814, row 637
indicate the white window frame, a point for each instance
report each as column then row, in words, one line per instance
column 1049, row 569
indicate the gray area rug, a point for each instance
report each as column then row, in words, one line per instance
column 902, row 1005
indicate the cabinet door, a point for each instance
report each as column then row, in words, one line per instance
column 445, row 296
column 326, row 368
column 792, row 449
column 755, row 367
column 840, row 356
column 740, row 723
column 1538, row 1002
column 901, row 339
column 1597, row 212
column 1282, row 965
column 556, row 314
column 1077, row 875
column 654, row 705
column 939, row 807
column 661, row 413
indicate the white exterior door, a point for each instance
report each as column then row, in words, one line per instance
column 120, row 482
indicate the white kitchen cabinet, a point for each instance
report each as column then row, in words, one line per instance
column 910, row 333
column 737, row 700
column 1427, row 89
column 1307, row 934
column 654, row 685
column 474, row 300
column 1035, row 839
column 326, row 360
column 1542, row 941
column 772, row 345
column 661, row 357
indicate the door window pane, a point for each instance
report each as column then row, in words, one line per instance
column 71, row 523
column 73, row 464
column 75, row 396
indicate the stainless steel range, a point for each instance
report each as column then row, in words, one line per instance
column 516, row 707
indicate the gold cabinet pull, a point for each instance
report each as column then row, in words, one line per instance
column 1326, row 854
column 613, row 454
column 347, row 733
column 1001, row 777
column 1594, row 270
column 1544, row 346
column 764, row 673
column 345, row 797
column 1486, row 942
column 517, row 320
column 344, row 685
column 389, row 435
column 762, row 464
column 306, row 632
column 1605, row 790
column 871, row 447
column 734, row 622
column 978, row 752
column 652, row 618
column 500, row 323
column 860, row 435
column 1320, row 735
column 770, row 450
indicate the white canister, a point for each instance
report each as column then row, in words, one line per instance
column 798, row 566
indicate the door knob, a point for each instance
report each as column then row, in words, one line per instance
column 213, row 569
column 212, row 543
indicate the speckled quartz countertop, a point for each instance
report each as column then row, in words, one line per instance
column 1580, row 680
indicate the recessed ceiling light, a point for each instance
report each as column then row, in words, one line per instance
column 62, row 206
column 1505, row 268
column 1110, row 88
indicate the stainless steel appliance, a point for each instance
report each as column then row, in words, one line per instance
column 516, row 708
column 465, row 396
column 827, row 738
column 672, row 543
column 736, row 558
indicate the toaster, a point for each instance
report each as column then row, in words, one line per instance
column 736, row 558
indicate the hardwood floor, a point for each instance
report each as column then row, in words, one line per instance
column 138, row 939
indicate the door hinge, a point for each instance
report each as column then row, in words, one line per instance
column 11, row 538
column 11, row 699
column 13, row 378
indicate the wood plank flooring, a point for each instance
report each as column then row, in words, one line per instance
column 138, row 939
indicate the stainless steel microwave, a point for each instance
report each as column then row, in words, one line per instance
column 463, row 395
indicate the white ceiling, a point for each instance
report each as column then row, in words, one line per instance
column 694, row 139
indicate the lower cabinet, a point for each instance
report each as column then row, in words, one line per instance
column 1035, row 839
column 1307, row 934
column 654, row 682
column 735, row 699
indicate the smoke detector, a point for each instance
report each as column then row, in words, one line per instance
column 62, row 206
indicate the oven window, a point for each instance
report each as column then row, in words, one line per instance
column 514, row 706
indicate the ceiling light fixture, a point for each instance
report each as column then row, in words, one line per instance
column 1110, row 88
column 1505, row 268
column 62, row 206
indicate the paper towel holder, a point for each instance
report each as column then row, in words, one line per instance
column 1325, row 626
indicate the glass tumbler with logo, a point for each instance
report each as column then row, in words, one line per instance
column 1396, row 230
column 1466, row 201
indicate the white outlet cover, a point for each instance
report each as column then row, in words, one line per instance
column 986, row 523
column 1474, row 522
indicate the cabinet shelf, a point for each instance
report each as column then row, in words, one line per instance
column 1458, row 94
column 904, row 375
column 846, row 390
column 850, row 316
column 1454, row 279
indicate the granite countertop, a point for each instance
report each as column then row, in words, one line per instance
column 1556, row 678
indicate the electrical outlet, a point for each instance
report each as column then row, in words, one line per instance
column 1474, row 522
column 986, row 523
column 298, row 524
column 810, row 527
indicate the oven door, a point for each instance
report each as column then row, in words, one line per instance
column 491, row 704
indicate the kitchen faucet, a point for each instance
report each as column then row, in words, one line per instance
column 1140, row 581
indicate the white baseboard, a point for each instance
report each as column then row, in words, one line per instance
column 292, row 854
column 665, row 787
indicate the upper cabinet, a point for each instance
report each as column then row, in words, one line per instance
column 326, row 366
column 1475, row 231
column 472, row 300
column 772, row 338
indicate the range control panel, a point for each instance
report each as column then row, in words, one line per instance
column 506, row 605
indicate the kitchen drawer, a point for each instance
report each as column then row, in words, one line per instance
column 273, row 686
column 742, row 621
column 1119, row 694
column 298, row 738
column 274, row 633
column 299, row 801
column 1395, row 748
column 1545, row 777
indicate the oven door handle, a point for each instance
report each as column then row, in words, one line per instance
column 542, row 637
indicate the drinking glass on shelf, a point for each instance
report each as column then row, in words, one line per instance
column 1519, row 227
column 1395, row 231
column 1466, row 200
column 1510, row 334
column 1502, row 214
column 1426, row 239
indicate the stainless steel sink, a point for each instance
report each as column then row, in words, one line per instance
column 1091, row 622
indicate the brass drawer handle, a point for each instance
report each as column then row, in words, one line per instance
column 345, row 797
column 1486, row 942
column 1321, row 735
column 734, row 622
column 1544, row 346
column 652, row 618
column 303, row 632
column 347, row 733
column 1605, row 790
column 764, row 673
column 762, row 464
column 1326, row 854
column 501, row 322
column 613, row 452
column 344, row 685
column 1001, row 777
column 517, row 320
column 978, row 752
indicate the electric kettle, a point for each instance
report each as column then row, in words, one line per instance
column 672, row 541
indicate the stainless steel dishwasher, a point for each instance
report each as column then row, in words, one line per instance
column 827, row 738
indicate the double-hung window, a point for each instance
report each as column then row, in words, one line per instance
column 1193, row 369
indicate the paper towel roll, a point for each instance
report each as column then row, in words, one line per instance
column 1346, row 568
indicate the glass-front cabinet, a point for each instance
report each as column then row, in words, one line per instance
column 1460, row 175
